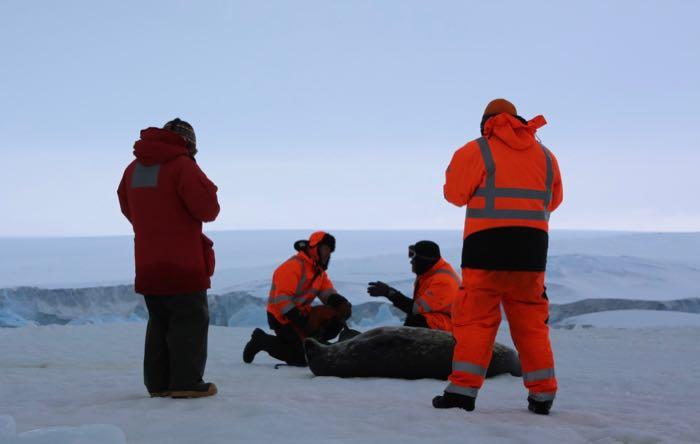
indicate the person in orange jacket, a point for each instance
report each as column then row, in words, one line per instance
column 295, row 285
column 510, row 184
column 435, row 289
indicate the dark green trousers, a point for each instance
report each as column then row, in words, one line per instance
column 176, row 341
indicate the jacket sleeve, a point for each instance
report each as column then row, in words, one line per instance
column 401, row 301
column 123, row 197
column 463, row 175
column 326, row 289
column 198, row 193
column 557, row 188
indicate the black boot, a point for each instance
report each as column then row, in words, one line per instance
column 451, row 400
column 253, row 346
column 539, row 407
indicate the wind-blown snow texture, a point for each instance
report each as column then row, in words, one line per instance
column 616, row 385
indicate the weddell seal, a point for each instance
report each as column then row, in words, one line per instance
column 398, row 352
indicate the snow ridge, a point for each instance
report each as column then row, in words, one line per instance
column 35, row 306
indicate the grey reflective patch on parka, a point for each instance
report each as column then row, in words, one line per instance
column 145, row 176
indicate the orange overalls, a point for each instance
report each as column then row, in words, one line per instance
column 296, row 283
column 510, row 183
column 435, row 291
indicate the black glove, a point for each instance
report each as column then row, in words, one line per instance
column 342, row 306
column 379, row 288
column 397, row 298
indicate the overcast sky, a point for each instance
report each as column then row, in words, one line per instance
column 344, row 114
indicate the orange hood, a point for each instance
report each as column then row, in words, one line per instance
column 513, row 132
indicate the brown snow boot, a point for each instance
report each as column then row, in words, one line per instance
column 200, row 391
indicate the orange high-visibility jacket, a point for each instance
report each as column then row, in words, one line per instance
column 435, row 291
column 296, row 283
column 509, row 183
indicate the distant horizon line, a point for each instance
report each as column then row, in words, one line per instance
column 582, row 230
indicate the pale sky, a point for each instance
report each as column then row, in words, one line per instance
column 344, row 114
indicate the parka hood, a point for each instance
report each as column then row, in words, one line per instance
column 159, row 146
column 511, row 131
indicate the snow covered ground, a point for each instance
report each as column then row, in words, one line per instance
column 617, row 385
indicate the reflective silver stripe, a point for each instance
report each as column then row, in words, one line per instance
column 466, row 391
column 302, row 281
column 507, row 214
column 287, row 308
column 516, row 193
column 468, row 367
column 145, row 176
column 548, row 180
column 272, row 289
column 281, row 298
column 544, row 396
column 489, row 192
column 538, row 375
column 490, row 166
column 422, row 304
column 451, row 273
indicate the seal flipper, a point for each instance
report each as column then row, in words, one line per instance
column 314, row 356
column 348, row 333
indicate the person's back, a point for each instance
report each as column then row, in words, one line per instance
column 166, row 197
column 510, row 184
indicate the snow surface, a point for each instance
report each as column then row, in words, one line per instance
column 635, row 319
column 616, row 385
column 86, row 434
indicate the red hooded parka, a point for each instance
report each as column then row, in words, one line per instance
column 166, row 197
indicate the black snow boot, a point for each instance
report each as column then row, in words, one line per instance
column 539, row 407
column 451, row 400
column 253, row 346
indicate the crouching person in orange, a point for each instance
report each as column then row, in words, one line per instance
column 295, row 285
column 435, row 289
column 510, row 184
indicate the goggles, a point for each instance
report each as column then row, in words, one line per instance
column 412, row 254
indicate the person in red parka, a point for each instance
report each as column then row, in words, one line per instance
column 167, row 197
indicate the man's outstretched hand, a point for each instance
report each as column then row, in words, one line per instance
column 379, row 288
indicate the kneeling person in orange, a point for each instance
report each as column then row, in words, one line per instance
column 510, row 184
column 435, row 289
column 295, row 285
